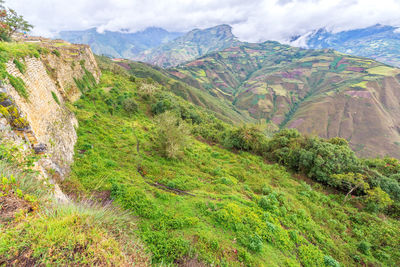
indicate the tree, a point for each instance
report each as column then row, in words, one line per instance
column 377, row 199
column 349, row 181
column 172, row 135
column 11, row 22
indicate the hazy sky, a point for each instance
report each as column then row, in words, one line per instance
column 252, row 20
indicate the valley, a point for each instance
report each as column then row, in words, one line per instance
column 194, row 148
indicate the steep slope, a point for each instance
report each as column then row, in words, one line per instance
column 120, row 44
column 190, row 46
column 39, row 224
column 197, row 191
column 378, row 42
column 317, row 91
column 212, row 206
column 41, row 78
column 222, row 109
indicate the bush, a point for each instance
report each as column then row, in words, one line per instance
column 161, row 106
column 377, row 199
column 310, row 255
column 330, row 262
column 247, row 138
column 147, row 90
column 130, row 105
column 317, row 158
column 172, row 135
column 56, row 53
column 251, row 242
column 364, row 247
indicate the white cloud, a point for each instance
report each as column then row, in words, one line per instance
column 252, row 20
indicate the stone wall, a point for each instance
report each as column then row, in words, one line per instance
column 52, row 125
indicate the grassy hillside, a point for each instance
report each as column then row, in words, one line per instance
column 316, row 91
column 222, row 109
column 37, row 230
column 152, row 168
column 198, row 202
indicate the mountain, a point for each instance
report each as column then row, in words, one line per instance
column 120, row 44
column 321, row 92
column 189, row 46
column 100, row 167
column 378, row 42
column 222, row 109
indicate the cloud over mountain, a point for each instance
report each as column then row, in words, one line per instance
column 252, row 20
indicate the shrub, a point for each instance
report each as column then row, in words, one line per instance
column 251, row 242
column 172, row 135
column 330, row 262
column 161, row 106
column 313, row 156
column 377, row 199
column 130, row 105
column 147, row 90
column 310, row 255
column 364, row 247
column 132, row 78
column 56, row 53
column 247, row 138
column 269, row 203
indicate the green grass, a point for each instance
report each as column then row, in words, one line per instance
column 244, row 210
column 42, row 231
column 55, row 97
column 15, row 51
column 383, row 70
column 20, row 66
column 19, row 85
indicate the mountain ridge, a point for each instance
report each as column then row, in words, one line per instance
column 379, row 42
column 120, row 44
column 285, row 86
column 193, row 44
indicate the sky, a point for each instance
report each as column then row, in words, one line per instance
column 252, row 20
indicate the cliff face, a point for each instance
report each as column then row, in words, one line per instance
column 50, row 82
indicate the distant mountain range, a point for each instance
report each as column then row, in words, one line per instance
column 320, row 92
column 120, row 44
column 167, row 49
column 378, row 42
column 190, row 46
column 155, row 45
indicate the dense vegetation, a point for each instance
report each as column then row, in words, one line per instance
column 215, row 196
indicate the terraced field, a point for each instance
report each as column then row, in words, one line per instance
column 319, row 92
